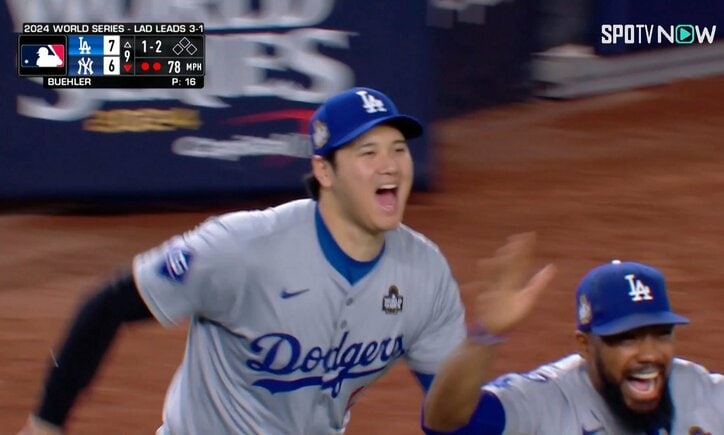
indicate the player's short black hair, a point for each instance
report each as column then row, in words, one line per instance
column 310, row 181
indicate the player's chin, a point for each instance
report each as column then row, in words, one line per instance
column 386, row 222
column 643, row 407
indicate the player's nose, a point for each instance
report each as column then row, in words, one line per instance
column 650, row 350
column 388, row 163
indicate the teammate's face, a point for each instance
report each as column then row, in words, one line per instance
column 637, row 362
column 634, row 421
column 372, row 178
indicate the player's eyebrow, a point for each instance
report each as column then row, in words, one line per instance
column 373, row 143
column 638, row 333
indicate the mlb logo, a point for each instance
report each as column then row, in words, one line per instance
column 42, row 56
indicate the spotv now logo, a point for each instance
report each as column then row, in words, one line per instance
column 657, row 34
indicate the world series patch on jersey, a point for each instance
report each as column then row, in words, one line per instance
column 280, row 342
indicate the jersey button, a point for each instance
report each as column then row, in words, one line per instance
column 349, row 301
column 342, row 324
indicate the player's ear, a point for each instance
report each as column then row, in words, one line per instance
column 322, row 170
column 582, row 339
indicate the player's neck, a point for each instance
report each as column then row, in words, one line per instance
column 354, row 240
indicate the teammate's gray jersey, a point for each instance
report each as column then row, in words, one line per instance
column 559, row 398
column 279, row 341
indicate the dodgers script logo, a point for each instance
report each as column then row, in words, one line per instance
column 343, row 361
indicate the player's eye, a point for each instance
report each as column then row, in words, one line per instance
column 619, row 339
column 664, row 333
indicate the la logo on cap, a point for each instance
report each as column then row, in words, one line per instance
column 370, row 103
column 639, row 291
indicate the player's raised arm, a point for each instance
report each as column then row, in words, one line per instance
column 455, row 391
column 624, row 379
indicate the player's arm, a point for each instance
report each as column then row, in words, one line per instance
column 455, row 391
column 171, row 283
column 87, row 341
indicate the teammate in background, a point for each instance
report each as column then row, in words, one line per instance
column 625, row 379
column 46, row 59
column 293, row 310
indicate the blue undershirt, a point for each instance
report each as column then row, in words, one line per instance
column 487, row 419
column 347, row 266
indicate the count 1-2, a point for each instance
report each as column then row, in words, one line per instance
column 153, row 47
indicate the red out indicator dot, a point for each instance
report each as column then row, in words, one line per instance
column 157, row 66
column 144, row 66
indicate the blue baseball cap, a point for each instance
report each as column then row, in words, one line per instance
column 620, row 296
column 351, row 113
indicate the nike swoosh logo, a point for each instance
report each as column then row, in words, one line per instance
column 591, row 432
column 286, row 294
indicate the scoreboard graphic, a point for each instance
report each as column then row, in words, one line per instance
column 113, row 55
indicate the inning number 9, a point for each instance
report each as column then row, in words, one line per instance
column 127, row 55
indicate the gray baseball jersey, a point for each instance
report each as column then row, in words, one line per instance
column 279, row 341
column 559, row 398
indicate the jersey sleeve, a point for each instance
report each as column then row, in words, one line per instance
column 444, row 330
column 527, row 400
column 184, row 276
column 511, row 391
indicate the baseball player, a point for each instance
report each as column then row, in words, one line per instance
column 624, row 380
column 293, row 310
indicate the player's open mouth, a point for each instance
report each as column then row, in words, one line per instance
column 387, row 197
column 644, row 386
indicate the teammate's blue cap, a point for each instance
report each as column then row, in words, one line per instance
column 351, row 113
column 620, row 296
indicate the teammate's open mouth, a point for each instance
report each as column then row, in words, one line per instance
column 644, row 386
column 387, row 197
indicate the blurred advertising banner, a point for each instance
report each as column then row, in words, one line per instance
column 481, row 52
column 269, row 63
column 624, row 26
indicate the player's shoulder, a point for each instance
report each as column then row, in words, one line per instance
column 255, row 224
column 557, row 374
column 229, row 233
column 409, row 241
column 692, row 374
